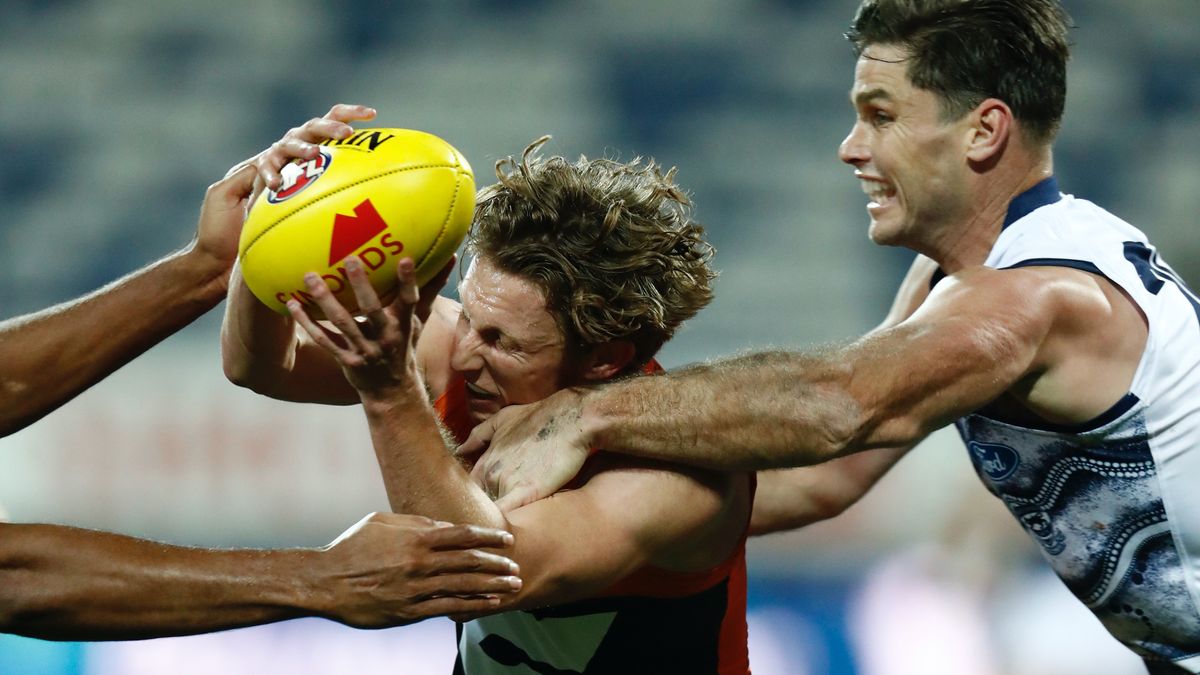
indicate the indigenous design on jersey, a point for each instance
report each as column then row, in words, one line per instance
column 1114, row 503
column 653, row 621
column 1092, row 502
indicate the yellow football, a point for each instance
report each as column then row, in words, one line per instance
column 381, row 194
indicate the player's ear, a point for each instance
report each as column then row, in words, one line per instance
column 607, row 359
column 992, row 123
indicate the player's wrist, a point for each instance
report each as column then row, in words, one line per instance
column 394, row 397
column 314, row 582
column 591, row 424
column 209, row 273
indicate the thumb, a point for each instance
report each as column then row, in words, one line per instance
column 516, row 498
column 478, row 440
column 256, row 189
column 236, row 185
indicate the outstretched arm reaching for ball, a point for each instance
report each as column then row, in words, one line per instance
column 62, row 583
column 49, row 357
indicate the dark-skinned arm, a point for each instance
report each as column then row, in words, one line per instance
column 63, row 583
column 49, row 357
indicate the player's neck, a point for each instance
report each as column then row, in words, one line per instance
column 968, row 242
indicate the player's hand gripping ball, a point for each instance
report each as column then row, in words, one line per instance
column 381, row 194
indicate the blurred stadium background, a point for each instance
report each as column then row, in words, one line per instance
column 117, row 114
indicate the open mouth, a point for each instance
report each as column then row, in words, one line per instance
column 480, row 393
column 878, row 192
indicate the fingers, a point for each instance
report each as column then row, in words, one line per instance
column 318, row 334
column 452, row 606
column 517, row 497
column 271, row 161
column 349, row 112
column 406, row 297
column 235, row 186
column 472, row 560
column 239, row 166
column 301, row 142
column 408, row 292
column 466, row 536
column 365, row 295
column 259, row 186
column 479, row 474
column 478, row 440
column 361, row 350
column 466, row 585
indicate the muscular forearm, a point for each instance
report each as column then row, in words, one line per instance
column 757, row 411
column 419, row 473
column 68, row 584
column 49, row 357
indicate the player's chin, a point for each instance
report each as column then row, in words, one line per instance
column 884, row 232
column 480, row 409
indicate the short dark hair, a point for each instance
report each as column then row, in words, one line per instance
column 966, row 51
column 611, row 244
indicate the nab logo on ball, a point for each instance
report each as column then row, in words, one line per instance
column 300, row 175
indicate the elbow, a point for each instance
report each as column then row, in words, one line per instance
column 238, row 373
column 236, row 363
column 243, row 373
column 239, row 363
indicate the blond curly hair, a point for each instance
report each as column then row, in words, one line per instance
column 612, row 245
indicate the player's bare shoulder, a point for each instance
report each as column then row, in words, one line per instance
column 1082, row 336
column 1094, row 347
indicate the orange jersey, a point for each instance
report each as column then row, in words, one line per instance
column 653, row 621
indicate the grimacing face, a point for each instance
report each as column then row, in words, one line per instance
column 910, row 163
column 507, row 344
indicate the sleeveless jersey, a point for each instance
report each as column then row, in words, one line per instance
column 1114, row 503
column 653, row 621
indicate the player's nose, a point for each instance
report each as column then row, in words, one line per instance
column 854, row 149
column 465, row 356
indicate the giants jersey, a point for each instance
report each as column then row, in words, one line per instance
column 653, row 621
column 1114, row 503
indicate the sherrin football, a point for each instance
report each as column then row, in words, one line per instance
column 381, row 194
